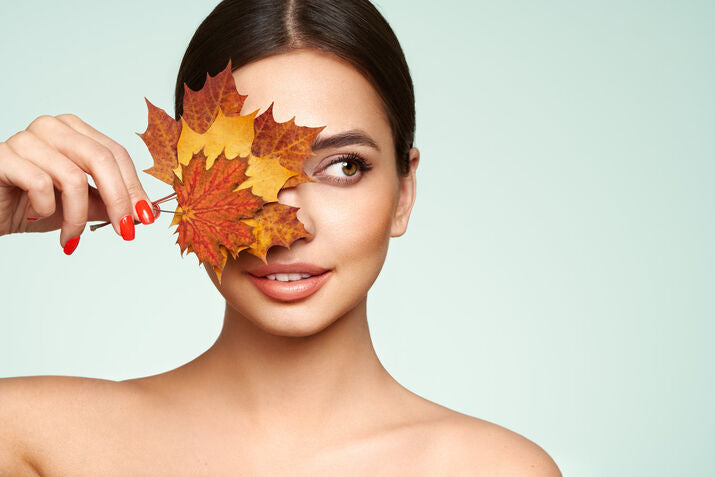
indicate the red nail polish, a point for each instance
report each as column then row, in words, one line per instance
column 31, row 218
column 126, row 226
column 144, row 212
column 71, row 245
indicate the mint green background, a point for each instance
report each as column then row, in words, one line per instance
column 557, row 275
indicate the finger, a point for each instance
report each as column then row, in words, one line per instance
column 125, row 163
column 94, row 159
column 16, row 171
column 66, row 176
column 96, row 210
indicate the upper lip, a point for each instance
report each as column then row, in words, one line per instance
column 297, row 267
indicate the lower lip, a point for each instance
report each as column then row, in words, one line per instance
column 290, row 291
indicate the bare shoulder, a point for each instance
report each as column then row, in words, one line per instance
column 479, row 447
column 38, row 413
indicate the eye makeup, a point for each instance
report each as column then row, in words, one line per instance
column 360, row 164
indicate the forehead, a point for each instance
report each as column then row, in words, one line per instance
column 316, row 88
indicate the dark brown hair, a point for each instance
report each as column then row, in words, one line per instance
column 247, row 30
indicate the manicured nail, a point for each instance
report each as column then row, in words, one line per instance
column 31, row 218
column 71, row 245
column 126, row 226
column 144, row 212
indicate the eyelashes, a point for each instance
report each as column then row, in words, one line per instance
column 338, row 175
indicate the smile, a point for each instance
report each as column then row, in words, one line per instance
column 288, row 277
column 289, row 283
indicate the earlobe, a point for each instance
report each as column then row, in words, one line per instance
column 407, row 191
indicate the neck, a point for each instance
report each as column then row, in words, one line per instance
column 286, row 382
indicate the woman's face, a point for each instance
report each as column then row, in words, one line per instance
column 350, row 211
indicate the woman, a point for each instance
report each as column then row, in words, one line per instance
column 292, row 386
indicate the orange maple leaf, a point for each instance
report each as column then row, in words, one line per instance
column 291, row 144
column 161, row 137
column 209, row 211
column 201, row 107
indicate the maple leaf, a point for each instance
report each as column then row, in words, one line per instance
column 161, row 136
column 227, row 171
column 275, row 224
column 291, row 144
column 201, row 107
column 209, row 210
column 231, row 135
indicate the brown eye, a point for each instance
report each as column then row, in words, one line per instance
column 349, row 168
column 346, row 169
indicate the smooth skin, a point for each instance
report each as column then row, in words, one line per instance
column 288, row 388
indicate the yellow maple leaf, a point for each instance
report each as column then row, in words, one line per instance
column 266, row 176
column 232, row 135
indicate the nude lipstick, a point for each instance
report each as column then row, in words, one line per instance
column 289, row 281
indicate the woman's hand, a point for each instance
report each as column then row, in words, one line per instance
column 43, row 176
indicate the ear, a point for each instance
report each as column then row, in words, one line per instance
column 407, row 192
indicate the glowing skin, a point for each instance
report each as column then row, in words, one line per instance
column 351, row 223
column 288, row 388
column 291, row 363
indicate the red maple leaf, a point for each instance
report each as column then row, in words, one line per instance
column 209, row 211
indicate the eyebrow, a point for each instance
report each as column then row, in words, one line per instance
column 347, row 138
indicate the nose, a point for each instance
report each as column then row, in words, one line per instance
column 292, row 197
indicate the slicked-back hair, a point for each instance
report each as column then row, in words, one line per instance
column 353, row 30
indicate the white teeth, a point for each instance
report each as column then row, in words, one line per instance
column 288, row 277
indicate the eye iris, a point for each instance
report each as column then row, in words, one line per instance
column 349, row 168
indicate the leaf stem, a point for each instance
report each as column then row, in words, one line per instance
column 155, row 207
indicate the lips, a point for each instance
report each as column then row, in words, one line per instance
column 269, row 279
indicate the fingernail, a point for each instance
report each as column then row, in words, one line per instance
column 31, row 218
column 71, row 245
column 126, row 226
column 144, row 212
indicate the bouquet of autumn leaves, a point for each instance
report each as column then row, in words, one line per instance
column 227, row 171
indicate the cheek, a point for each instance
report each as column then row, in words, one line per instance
column 353, row 224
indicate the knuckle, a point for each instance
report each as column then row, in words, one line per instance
column 103, row 156
column 42, row 122
column 42, row 182
column 75, row 179
column 68, row 118
column 19, row 139
column 121, row 150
